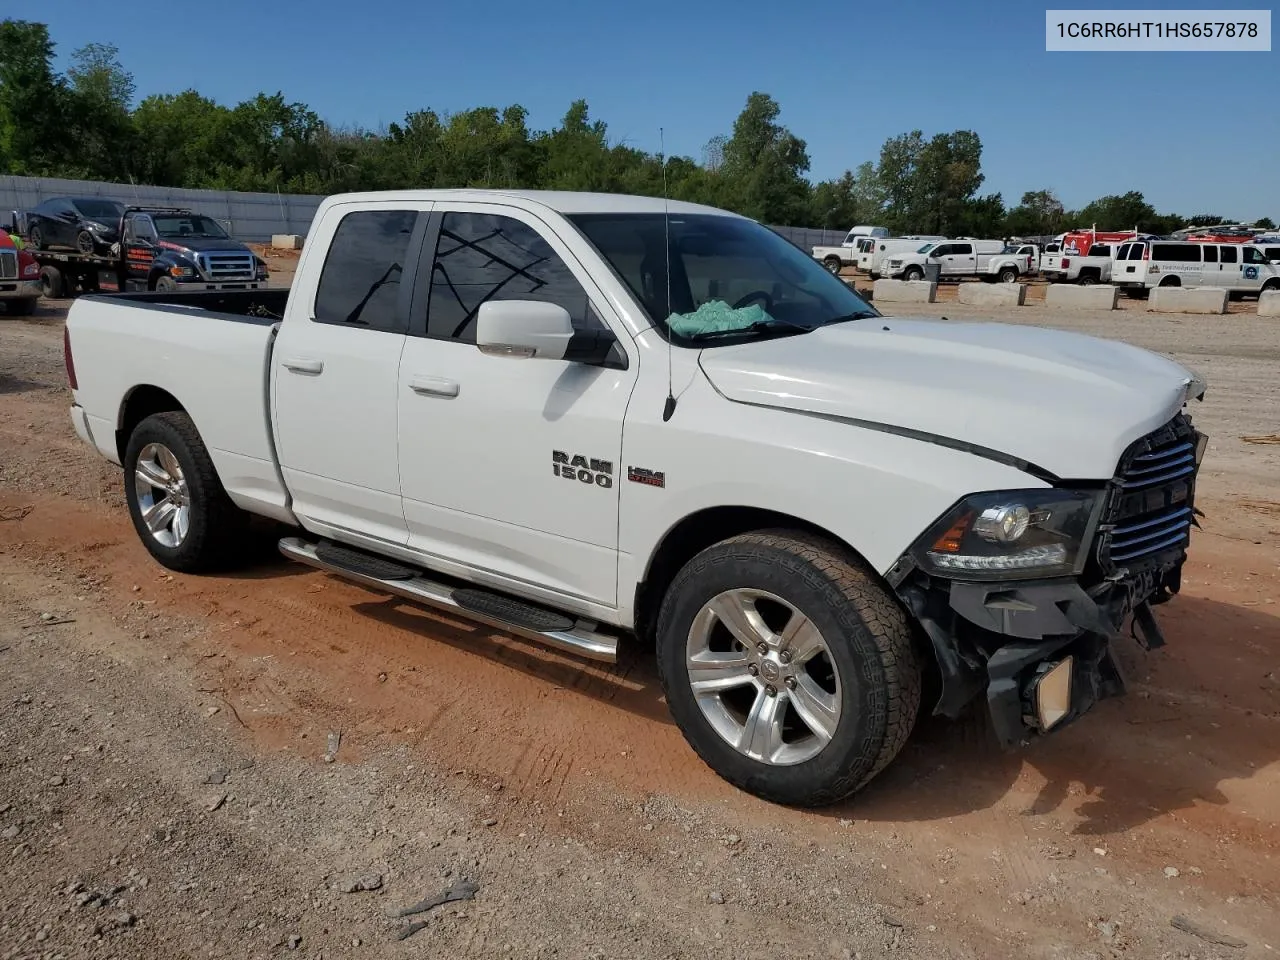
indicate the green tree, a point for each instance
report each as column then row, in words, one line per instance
column 1205, row 220
column 35, row 133
column 897, row 173
column 1039, row 213
column 101, row 94
column 948, row 175
column 764, row 165
column 1265, row 223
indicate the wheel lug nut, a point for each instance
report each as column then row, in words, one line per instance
column 791, row 683
column 762, row 648
column 752, row 669
column 785, row 656
column 771, row 690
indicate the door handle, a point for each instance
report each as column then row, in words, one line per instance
column 303, row 365
column 434, row 386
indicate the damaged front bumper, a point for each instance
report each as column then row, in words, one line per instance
column 1040, row 650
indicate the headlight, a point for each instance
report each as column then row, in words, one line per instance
column 97, row 227
column 1012, row 534
column 179, row 270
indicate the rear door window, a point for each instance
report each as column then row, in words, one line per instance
column 961, row 248
column 360, row 283
column 1229, row 255
column 1210, row 253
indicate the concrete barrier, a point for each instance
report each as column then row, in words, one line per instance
column 1188, row 300
column 286, row 241
column 1070, row 296
column 993, row 294
column 1269, row 304
column 904, row 291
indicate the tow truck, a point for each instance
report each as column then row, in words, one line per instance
column 162, row 249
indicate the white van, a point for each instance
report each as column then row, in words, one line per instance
column 885, row 247
column 1236, row 267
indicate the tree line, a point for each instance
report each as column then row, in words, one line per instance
column 84, row 125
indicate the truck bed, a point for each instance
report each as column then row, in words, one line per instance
column 210, row 351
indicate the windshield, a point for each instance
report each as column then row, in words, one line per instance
column 926, row 248
column 104, row 210
column 188, row 225
column 729, row 276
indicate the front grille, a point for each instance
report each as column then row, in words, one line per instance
column 228, row 266
column 8, row 265
column 1151, row 507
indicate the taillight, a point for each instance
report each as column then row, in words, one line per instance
column 66, row 359
column 1066, row 262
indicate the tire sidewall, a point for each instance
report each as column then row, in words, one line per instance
column 855, row 747
column 186, row 555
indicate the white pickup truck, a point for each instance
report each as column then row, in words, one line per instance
column 588, row 420
column 846, row 254
column 956, row 259
column 1094, row 267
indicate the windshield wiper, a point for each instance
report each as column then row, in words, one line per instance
column 856, row 315
column 771, row 324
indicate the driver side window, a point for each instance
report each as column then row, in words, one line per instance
column 941, row 250
column 141, row 229
column 485, row 256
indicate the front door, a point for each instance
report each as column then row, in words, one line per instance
column 957, row 259
column 334, row 368
column 510, row 466
column 1254, row 270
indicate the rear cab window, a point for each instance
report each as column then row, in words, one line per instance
column 360, row 284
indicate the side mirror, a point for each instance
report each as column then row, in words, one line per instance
column 523, row 328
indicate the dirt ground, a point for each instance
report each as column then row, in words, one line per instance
column 199, row 767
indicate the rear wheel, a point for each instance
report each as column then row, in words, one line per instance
column 789, row 669
column 1009, row 275
column 52, row 283
column 1170, row 282
column 1087, row 280
column 176, row 501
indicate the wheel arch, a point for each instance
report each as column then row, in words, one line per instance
column 139, row 403
column 699, row 530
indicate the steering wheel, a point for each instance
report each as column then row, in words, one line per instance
column 755, row 295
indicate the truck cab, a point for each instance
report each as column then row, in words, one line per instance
column 169, row 248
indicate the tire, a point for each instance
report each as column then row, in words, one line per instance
column 1270, row 286
column 1170, row 282
column 35, row 237
column 21, row 308
column 913, row 273
column 1009, row 275
column 213, row 525
column 52, row 283
column 833, row 265
column 166, row 284
column 1087, row 280
column 868, row 666
column 85, row 242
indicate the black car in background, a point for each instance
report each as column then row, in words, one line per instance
column 85, row 224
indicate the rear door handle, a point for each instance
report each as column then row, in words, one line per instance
column 434, row 386
column 303, row 365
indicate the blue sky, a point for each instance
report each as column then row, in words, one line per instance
column 1195, row 132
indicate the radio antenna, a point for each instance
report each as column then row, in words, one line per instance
column 670, row 406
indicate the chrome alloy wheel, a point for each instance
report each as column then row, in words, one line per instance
column 763, row 677
column 163, row 499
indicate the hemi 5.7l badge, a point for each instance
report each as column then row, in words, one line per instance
column 652, row 478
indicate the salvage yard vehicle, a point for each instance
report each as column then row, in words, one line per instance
column 589, row 419
column 19, row 279
column 1238, row 268
column 164, row 248
column 846, row 254
column 957, row 259
column 86, row 225
column 1094, row 267
column 887, row 247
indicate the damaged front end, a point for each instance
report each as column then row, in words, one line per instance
column 1022, row 592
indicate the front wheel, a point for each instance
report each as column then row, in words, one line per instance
column 913, row 273
column 166, row 284
column 833, row 265
column 178, row 505
column 85, row 242
column 35, row 238
column 1271, row 286
column 788, row 668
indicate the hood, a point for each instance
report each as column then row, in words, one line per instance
column 1064, row 402
column 203, row 244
